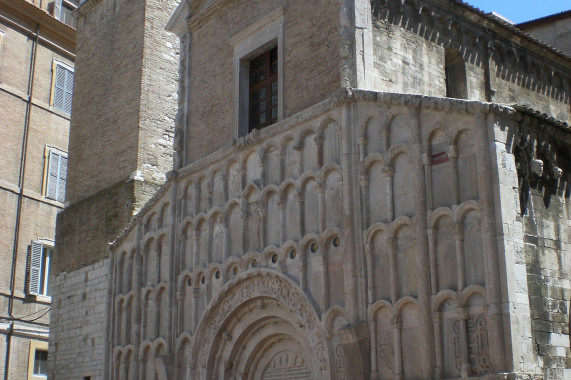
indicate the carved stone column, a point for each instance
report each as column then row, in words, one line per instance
column 439, row 369
column 433, row 255
column 397, row 326
column 362, row 143
column 463, row 329
column 385, row 135
column 392, row 246
column 460, row 259
column 322, row 221
column 364, row 181
column 195, row 248
column 452, row 153
column 196, row 198
column 325, row 277
column 195, row 300
column 319, row 143
column 427, row 162
column 180, row 310
column 373, row 337
column 263, row 171
column 226, row 243
column 283, row 231
column 263, row 226
column 390, row 173
column 281, row 159
column 301, row 214
column 210, row 237
column 370, row 274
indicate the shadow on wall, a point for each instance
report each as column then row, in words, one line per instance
column 539, row 166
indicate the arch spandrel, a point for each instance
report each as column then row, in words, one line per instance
column 259, row 285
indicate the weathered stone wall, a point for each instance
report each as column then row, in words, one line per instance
column 271, row 218
column 307, row 33
column 158, row 95
column 78, row 323
column 555, row 32
column 409, row 43
column 547, row 228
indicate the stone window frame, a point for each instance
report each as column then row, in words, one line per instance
column 257, row 38
column 35, row 345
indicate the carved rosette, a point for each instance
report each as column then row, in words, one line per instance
column 255, row 284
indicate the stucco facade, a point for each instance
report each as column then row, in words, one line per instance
column 404, row 218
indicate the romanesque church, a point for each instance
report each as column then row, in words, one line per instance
column 358, row 189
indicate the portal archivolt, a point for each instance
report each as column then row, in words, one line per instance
column 262, row 326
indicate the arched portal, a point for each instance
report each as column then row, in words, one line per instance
column 261, row 326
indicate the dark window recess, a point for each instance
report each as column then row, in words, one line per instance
column 41, row 362
column 263, row 90
column 455, row 71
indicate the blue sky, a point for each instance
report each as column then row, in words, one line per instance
column 522, row 10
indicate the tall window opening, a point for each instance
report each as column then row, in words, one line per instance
column 259, row 74
column 263, row 90
column 39, row 269
column 455, row 70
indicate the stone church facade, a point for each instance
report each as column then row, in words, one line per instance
column 389, row 199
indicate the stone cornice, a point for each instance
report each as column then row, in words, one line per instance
column 510, row 28
column 85, row 7
column 28, row 11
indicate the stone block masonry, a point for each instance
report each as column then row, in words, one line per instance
column 78, row 321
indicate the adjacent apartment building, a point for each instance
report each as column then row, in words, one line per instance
column 37, row 53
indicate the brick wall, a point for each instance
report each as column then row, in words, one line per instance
column 311, row 46
column 77, row 332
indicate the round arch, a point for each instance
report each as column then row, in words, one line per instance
column 258, row 316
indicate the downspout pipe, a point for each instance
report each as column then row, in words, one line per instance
column 21, row 182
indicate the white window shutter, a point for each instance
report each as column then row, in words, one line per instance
column 57, row 9
column 53, row 170
column 35, row 265
column 59, row 96
column 62, row 178
column 68, row 91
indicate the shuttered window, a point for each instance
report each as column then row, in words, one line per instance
column 1, row 45
column 63, row 88
column 57, row 9
column 56, row 176
column 39, row 260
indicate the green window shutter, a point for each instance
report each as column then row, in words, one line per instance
column 35, row 265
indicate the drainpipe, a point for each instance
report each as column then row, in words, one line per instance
column 21, row 180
